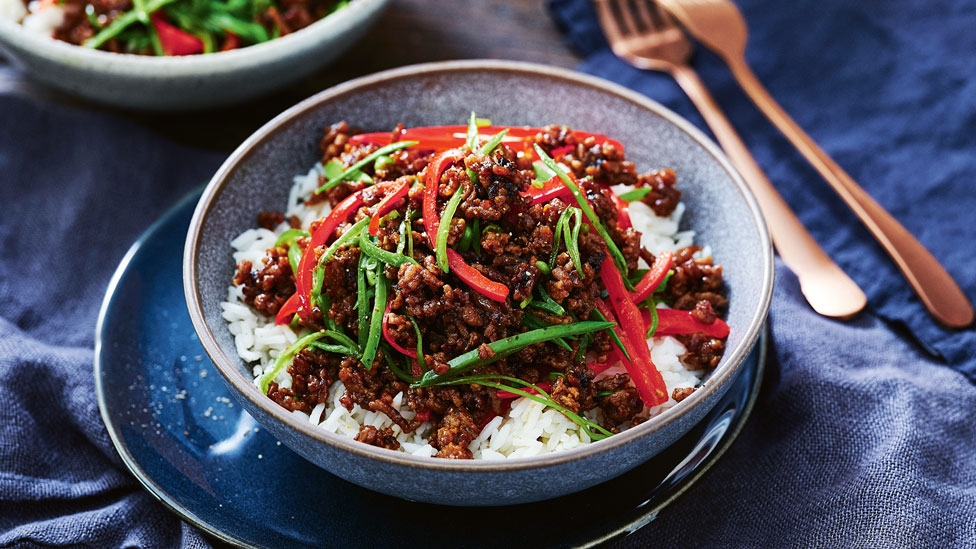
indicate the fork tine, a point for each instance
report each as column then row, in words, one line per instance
column 644, row 11
column 626, row 17
column 611, row 27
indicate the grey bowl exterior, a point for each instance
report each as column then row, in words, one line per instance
column 258, row 176
column 191, row 82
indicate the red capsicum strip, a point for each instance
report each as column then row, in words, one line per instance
column 477, row 281
column 676, row 322
column 439, row 138
column 545, row 386
column 644, row 374
column 613, row 357
column 173, row 40
column 288, row 309
column 623, row 213
column 437, row 165
column 653, row 278
column 387, row 204
column 412, row 353
column 231, row 42
column 553, row 188
column 320, row 236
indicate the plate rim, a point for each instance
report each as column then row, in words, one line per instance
column 171, row 503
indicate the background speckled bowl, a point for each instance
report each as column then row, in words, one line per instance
column 258, row 176
column 195, row 81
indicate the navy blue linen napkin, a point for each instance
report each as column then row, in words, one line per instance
column 76, row 190
column 863, row 433
column 888, row 90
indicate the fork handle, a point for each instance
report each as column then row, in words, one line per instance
column 827, row 288
column 938, row 291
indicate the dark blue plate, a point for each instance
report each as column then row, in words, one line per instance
column 181, row 434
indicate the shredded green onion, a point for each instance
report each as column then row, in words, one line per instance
column 472, row 135
column 348, row 172
column 509, row 345
column 285, row 358
column 444, row 229
column 376, row 323
column 120, row 23
column 362, row 300
column 367, row 246
column 420, row 344
column 636, row 194
column 618, row 257
column 318, row 274
column 592, row 430
column 613, row 335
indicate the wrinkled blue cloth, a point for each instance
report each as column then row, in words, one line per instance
column 76, row 191
column 863, row 435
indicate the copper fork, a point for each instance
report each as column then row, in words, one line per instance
column 648, row 38
column 719, row 25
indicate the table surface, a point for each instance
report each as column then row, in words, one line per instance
column 410, row 31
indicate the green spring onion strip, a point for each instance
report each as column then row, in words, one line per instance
column 444, row 228
column 376, row 323
column 636, row 194
column 533, row 321
column 592, row 430
column 652, row 307
column 487, row 148
column 547, row 303
column 402, row 241
column 342, row 339
column 289, row 236
column 392, row 147
column 465, row 243
column 318, row 274
column 367, row 246
column 495, row 140
column 388, row 354
column 560, row 223
column 420, row 345
column 121, row 22
column 337, row 349
column 362, row 300
column 140, row 9
column 472, row 131
column 509, row 345
column 664, row 283
column 613, row 335
column 572, row 240
column 584, row 345
column 333, row 168
column 618, row 257
column 542, row 172
column 382, row 162
column 285, row 358
column 543, row 268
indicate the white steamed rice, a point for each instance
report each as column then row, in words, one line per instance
column 528, row 429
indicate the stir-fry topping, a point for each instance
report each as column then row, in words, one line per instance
column 463, row 265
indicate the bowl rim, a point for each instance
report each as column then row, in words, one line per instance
column 246, row 388
column 354, row 14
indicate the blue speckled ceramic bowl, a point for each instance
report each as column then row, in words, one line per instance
column 258, row 175
column 195, row 81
